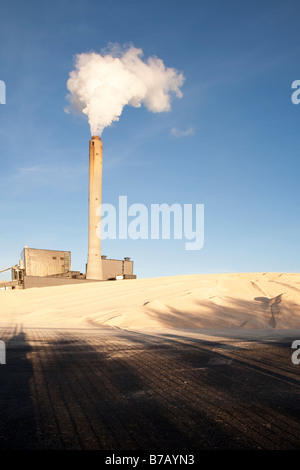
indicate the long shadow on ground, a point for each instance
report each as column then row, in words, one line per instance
column 116, row 390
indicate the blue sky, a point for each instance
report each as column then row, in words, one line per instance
column 241, row 161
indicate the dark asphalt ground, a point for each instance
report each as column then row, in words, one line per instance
column 112, row 389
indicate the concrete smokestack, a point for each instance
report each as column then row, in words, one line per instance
column 94, row 263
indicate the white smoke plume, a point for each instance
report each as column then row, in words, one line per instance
column 101, row 85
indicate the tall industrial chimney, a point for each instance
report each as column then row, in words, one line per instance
column 94, row 263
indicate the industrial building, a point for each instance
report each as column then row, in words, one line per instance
column 44, row 262
column 41, row 268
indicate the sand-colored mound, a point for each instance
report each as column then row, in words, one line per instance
column 246, row 300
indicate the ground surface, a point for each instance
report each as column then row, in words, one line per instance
column 115, row 389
